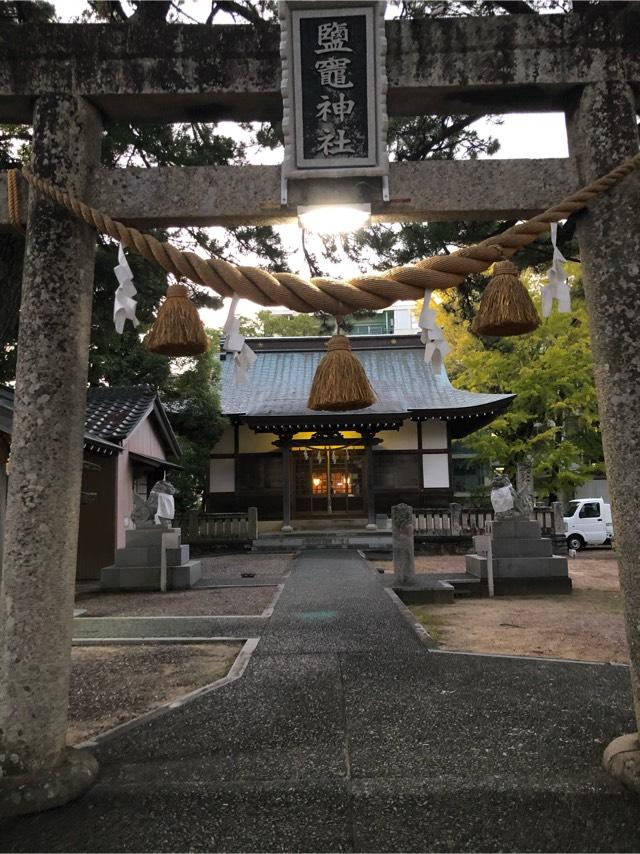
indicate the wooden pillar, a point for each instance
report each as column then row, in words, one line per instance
column 41, row 533
column 602, row 132
column 371, row 498
column 252, row 523
column 286, row 490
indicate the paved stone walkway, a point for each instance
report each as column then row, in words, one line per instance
column 347, row 734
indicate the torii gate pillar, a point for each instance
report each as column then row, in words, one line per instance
column 36, row 595
column 602, row 132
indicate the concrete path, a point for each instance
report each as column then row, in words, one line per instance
column 347, row 734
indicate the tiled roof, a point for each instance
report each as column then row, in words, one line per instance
column 113, row 413
column 279, row 383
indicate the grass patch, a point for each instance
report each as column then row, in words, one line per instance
column 433, row 623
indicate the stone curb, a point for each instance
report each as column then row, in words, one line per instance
column 540, row 658
column 419, row 629
column 152, row 640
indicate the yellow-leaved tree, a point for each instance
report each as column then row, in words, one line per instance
column 554, row 418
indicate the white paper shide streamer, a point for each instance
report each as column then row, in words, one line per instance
column 436, row 348
column 558, row 287
column 124, row 306
column 243, row 355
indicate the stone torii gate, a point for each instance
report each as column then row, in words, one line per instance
column 68, row 80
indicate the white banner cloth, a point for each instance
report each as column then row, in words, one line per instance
column 558, row 287
column 124, row 306
column 243, row 355
column 436, row 348
column 166, row 507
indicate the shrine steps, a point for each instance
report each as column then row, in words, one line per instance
column 302, row 540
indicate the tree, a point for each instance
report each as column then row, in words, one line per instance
column 191, row 397
column 266, row 324
column 554, row 418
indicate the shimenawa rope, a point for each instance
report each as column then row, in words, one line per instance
column 13, row 201
column 320, row 294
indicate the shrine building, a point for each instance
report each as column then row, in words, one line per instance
column 294, row 464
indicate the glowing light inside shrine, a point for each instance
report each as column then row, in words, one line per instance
column 333, row 219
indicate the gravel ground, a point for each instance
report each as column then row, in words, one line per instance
column 112, row 684
column 428, row 563
column 232, row 566
column 205, row 602
column 587, row 625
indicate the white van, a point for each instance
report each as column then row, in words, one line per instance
column 587, row 522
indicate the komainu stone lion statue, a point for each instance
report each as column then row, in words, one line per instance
column 507, row 502
column 144, row 512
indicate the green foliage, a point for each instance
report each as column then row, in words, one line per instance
column 33, row 12
column 194, row 409
column 554, row 418
column 266, row 324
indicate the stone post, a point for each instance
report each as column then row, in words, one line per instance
column 559, row 535
column 602, row 132
column 455, row 515
column 404, row 565
column 524, row 482
column 192, row 525
column 36, row 596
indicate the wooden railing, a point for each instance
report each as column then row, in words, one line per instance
column 198, row 528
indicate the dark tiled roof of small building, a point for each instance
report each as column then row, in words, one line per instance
column 280, row 380
column 113, row 413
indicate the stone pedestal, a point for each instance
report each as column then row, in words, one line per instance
column 137, row 565
column 523, row 560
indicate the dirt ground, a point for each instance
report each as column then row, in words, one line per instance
column 587, row 625
column 201, row 602
column 233, row 566
column 113, row 684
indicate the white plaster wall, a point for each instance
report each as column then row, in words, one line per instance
column 255, row 443
column 435, row 471
column 404, row 439
column 434, row 435
column 222, row 475
column 225, row 445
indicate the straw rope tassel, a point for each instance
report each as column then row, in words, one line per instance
column 340, row 382
column 177, row 330
column 505, row 307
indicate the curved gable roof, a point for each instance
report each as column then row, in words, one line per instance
column 279, row 382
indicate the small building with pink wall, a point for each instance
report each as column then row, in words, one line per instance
column 128, row 443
